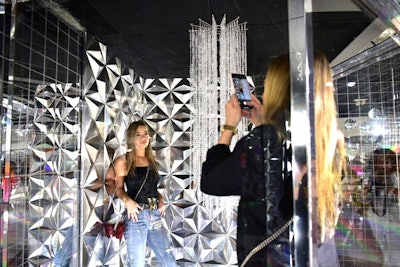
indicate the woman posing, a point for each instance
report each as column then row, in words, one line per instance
column 144, row 205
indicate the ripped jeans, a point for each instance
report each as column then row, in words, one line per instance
column 148, row 229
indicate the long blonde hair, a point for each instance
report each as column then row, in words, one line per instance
column 276, row 96
column 330, row 155
column 130, row 156
column 329, row 145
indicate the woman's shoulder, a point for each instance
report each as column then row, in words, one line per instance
column 265, row 130
column 121, row 160
column 264, row 127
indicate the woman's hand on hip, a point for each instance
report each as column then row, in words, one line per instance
column 133, row 208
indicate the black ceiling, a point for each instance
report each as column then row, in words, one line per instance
column 152, row 36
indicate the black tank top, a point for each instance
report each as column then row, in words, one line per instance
column 134, row 182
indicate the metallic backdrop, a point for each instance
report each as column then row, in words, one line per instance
column 113, row 97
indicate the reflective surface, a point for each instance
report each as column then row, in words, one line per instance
column 365, row 234
column 301, row 123
column 40, row 74
column 62, row 126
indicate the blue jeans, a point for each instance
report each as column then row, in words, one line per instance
column 148, row 228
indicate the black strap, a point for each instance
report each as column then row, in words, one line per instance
column 145, row 179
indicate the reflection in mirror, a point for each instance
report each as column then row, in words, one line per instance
column 366, row 91
column 40, row 137
column 363, row 226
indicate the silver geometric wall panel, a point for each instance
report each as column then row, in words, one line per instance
column 54, row 172
column 110, row 103
column 113, row 97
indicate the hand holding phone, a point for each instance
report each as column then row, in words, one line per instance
column 241, row 88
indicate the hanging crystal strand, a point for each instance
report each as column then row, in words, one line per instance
column 214, row 89
column 224, row 94
column 206, row 107
column 203, row 138
column 199, row 134
column 196, row 75
column 224, row 69
column 241, row 37
column 243, row 34
column 231, row 62
column 213, row 104
column 237, row 51
column 210, row 103
column 193, row 80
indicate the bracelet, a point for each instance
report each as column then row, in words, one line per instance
column 124, row 199
column 226, row 127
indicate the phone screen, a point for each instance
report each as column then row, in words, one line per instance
column 241, row 88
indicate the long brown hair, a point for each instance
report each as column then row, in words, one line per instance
column 130, row 156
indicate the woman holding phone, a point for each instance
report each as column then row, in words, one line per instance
column 256, row 169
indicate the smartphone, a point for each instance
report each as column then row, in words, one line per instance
column 241, row 89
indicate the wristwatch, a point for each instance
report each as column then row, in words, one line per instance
column 226, row 127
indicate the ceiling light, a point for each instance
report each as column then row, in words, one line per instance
column 360, row 101
column 351, row 84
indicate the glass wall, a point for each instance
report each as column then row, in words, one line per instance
column 368, row 105
column 41, row 90
column 66, row 102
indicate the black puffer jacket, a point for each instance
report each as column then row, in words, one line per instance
column 255, row 171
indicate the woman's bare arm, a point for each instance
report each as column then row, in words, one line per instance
column 120, row 172
column 119, row 176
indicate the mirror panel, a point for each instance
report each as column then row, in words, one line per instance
column 63, row 93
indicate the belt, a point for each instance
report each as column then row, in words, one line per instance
column 148, row 207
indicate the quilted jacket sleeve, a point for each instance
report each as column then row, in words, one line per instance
column 219, row 172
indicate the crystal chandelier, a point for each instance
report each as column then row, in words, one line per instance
column 215, row 52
